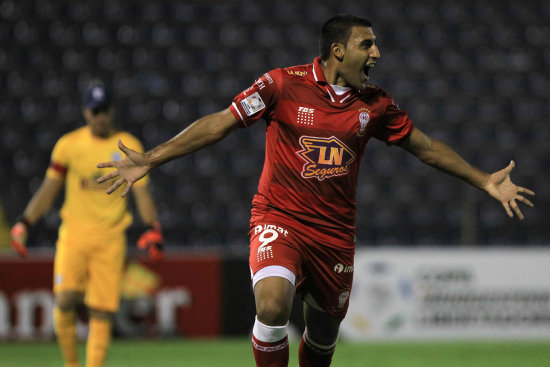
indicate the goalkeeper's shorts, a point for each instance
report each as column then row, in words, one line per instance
column 322, row 271
column 94, row 268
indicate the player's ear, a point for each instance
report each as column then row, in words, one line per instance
column 338, row 50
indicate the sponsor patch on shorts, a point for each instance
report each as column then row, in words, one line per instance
column 252, row 104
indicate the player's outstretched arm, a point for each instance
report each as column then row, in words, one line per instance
column 199, row 134
column 498, row 184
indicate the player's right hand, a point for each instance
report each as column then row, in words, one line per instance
column 18, row 237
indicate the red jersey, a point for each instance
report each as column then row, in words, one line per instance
column 315, row 140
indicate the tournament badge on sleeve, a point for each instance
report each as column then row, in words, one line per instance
column 253, row 104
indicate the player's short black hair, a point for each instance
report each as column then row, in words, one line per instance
column 338, row 30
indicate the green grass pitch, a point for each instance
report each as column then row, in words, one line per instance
column 238, row 353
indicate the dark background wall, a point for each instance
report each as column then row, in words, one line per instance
column 472, row 73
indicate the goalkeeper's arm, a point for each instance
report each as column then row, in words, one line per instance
column 40, row 203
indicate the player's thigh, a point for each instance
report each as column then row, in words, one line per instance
column 275, row 264
column 70, row 267
column 274, row 251
column 105, row 274
column 273, row 296
column 327, row 278
column 272, row 243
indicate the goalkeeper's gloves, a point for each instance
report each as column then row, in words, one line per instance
column 18, row 237
column 151, row 241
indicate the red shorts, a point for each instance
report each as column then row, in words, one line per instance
column 322, row 270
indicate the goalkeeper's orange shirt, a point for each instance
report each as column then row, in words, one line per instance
column 88, row 213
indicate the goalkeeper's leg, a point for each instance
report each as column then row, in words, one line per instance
column 65, row 325
column 99, row 338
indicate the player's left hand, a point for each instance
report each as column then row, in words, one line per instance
column 501, row 187
column 129, row 169
column 151, row 241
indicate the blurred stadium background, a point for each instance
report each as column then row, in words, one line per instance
column 472, row 73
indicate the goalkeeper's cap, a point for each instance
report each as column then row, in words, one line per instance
column 97, row 96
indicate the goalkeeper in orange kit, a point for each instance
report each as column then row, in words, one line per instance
column 91, row 246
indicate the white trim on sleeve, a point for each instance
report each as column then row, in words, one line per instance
column 239, row 112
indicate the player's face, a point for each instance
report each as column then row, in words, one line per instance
column 360, row 56
column 100, row 121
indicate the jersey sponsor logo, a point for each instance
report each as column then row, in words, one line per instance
column 305, row 115
column 268, row 233
column 260, row 228
column 341, row 268
column 260, row 83
column 297, row 72
column 325, row 157
column 252, row 104
column 364, row 118
column 268, row 78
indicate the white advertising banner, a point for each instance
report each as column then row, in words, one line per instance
column 449, row 293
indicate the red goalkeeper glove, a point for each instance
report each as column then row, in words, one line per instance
column 18, row 237
column 151, row 241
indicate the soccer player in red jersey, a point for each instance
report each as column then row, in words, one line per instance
column 319, row 118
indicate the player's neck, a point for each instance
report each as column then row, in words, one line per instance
column 103, row 135
column 330, row 71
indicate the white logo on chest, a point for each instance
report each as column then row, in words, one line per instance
column 305, row 115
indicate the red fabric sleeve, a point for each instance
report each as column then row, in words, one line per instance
column 258, row 100
column 395, row 125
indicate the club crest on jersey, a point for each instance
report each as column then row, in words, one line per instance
column 252, row 104
column 325, row 157
column 364, row 118
column 343, row 298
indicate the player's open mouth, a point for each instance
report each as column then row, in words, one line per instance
column 366, row 69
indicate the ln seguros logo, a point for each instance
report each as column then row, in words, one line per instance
column 325, row 157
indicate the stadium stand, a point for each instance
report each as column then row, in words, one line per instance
column 473, row 73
